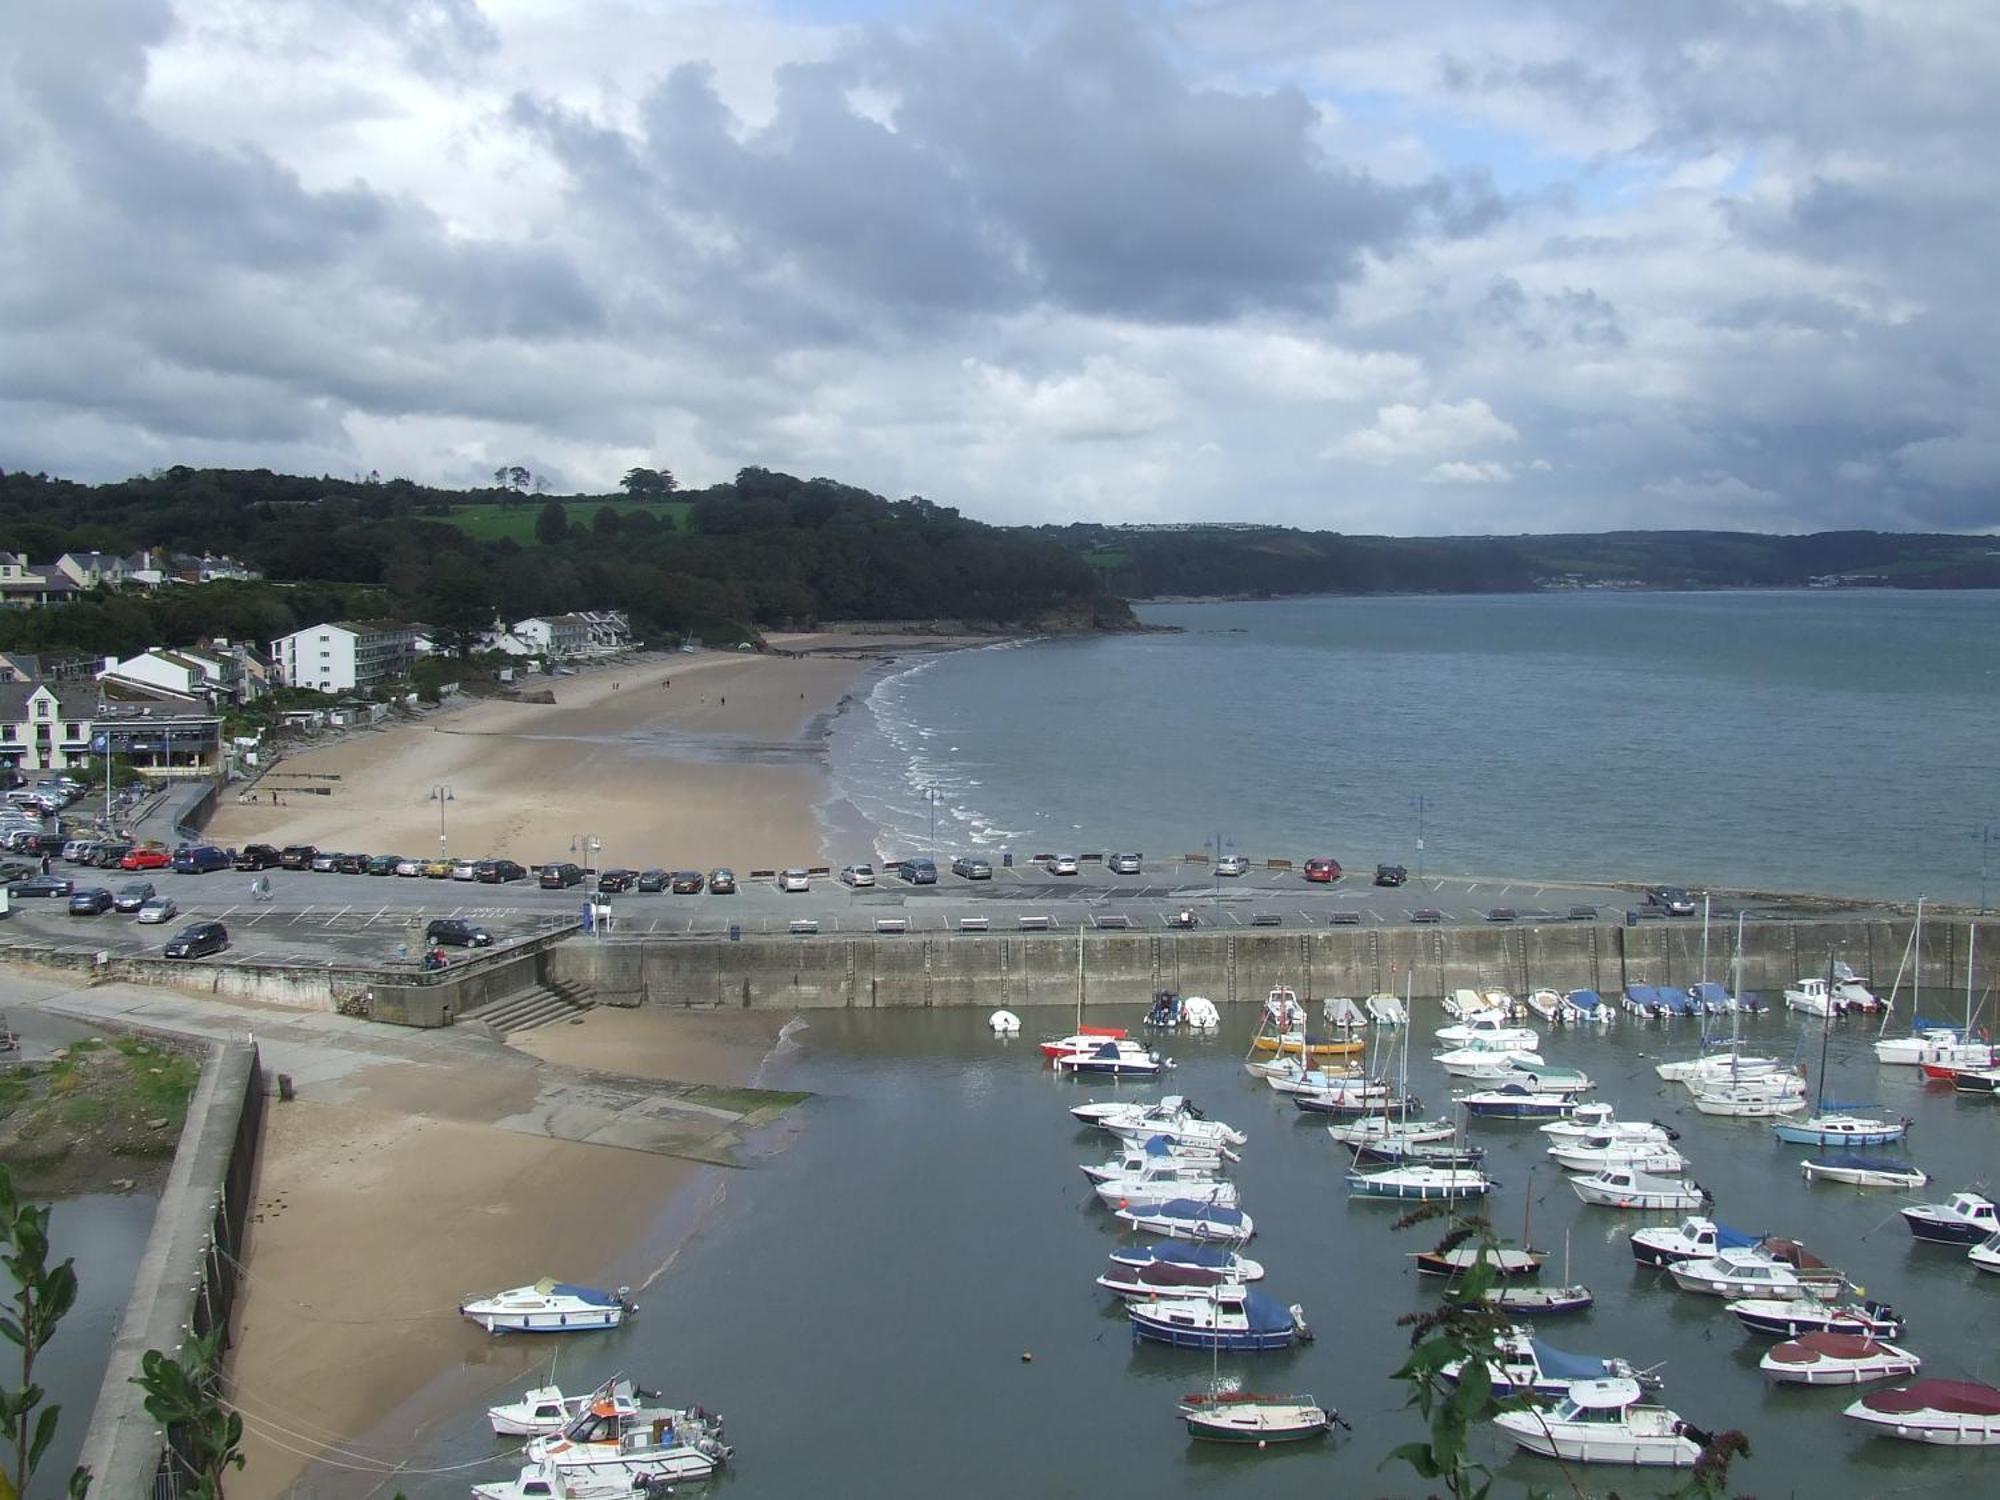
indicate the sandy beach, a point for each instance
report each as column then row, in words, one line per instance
column 675, row 762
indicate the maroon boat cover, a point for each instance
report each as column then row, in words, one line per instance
column 1966, row 1397
column 1808, row 1347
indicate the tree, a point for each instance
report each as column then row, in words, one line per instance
column 552, row 525
column 43, row 1294
column 519, row 477
column 457, row 600
column 181, row 1396
column 607, row 522
column 648, row 482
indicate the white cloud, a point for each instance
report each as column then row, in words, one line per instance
column 1459, row 471
column 1404, row 431
column 1103, row 400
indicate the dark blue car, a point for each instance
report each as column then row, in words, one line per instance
column 200, row 859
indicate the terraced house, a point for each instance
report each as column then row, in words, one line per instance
column 45, row 726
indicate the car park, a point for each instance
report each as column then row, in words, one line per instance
column 1122, row 864
column 462, row 869
column 91, row 901
column 325, row 860
column 199, row 859
column 919, row 871
column 40, row 885
column 130, row 898
column 794, row 879
column 146, row 857
column 499, row 871
column 687, row 883
column 159, row 909
column 560, row 876
column 1670, row 899
column 971, row 867
column 458, row 932
column 198, row 940
column 858, row 876
column 1063, row 864
column 652, row 882
column 388, row 864
column 350, row 864
column 1322, row 870
column 1232, row 864
column 1390, row 875
column 257, row 857
column 616, row 882
column 297, row 856
column 722, row 882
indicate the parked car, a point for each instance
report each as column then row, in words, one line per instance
column 858, row 876
column 1122, row 864
column 198, row 940
column 1390, row 874
column 971, row 867
column 14, row 870
column 146, row 857
column 616, row 882
column 1322, row 871
column 722, row 882
column 106, row 856
column 687, row 883
column 437, row 869
column 794, row 879
column 409, row 869
column 91, row 901
column 560, row 876
column 159, row 909
column 325, row 861
column 462, row 869
column 498, row 871
column 43, row 843
column 75, row 849
column 199, row 859
column 297, row 856
column 258, row 857
column 1232, row 864
column 350, row 864
column 458, row 932
column 40, row 885
column 1063, row 864
column 386, row 864
column 131, row 897
column 651, row 882
column 919, row 871
column 1671, row 899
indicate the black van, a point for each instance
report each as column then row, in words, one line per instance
column 919, row 871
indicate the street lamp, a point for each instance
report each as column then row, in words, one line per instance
column 441, row 794
column 1217, row 845
column 1988, row 835
column 931, row 796
column 586, row 844
column 1420, row 805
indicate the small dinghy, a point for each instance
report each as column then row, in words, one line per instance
column 1339, row 1014
column 545, row 1409
column 1630, row 1187
column 1195, row 1265
column 1547, row 1004
column 1380, row 1128
column 1245, row 1417
column 1842, row 1129
column 549, row 1307
column 1237, row 1318
column 1696, row 1238
column 1950, row 1413
column 1114, row 1060
column 1137, row 1156
column 1864, row 1171
column 1004, row 1023
column 1966, row 1220
column 1837, row 1359
column 1605, row 1422
column 1422, row 1183
column 1526, row 1366
column 1515, row 1101
column 1750, row 1273
column 1191, row 1219
column 1789, row 1317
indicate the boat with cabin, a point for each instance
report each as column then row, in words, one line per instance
column 1948, row 1413
column 1751, row 1272
column 1985, row 1256
column 545, row 1409
column 1540, row 1301
column 1695, row 1238
column 1246, row 1417
column 1856, row 1170
column 1978, row 1082
column 617, row 1441
column 1350, row 1103
column 1161, row 1180
column 1137, row 1155
column 1191, row 1219
column 1605, row 1422
column 1964, row 1219
column 1836, row 1127
column 1490, row 1028
column 1763, row 1096
column 1397, row 1153
column 1516, row 1101
column 1646, row 1153
column 1241, row 1319
column 1635, row 1188
column 1527, row 1366
column 1836, row 1359
column 1383, row 1130
column 1811, row 996
column 550, row 1306
column 1598, row 1118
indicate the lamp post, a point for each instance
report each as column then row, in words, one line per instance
column 1988, row 834
column 586, row 844
column 1217, row 845
column 441, row 794
column 1420, row 805
column 931, row 796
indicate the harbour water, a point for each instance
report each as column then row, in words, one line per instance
column 862, row 1308
column 1843, row 741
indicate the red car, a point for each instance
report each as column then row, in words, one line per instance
column 146, row 859
column 1322, row 870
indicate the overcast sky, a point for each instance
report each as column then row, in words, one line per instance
column 1384, row 266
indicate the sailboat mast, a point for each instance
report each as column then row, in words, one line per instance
column 1706, row 901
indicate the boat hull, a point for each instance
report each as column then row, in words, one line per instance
column 1814, row 1171
column 1807, row 1134
column 587, row 1321
column 1258, row 1429
column 1566, row 1442
column 1788, row 1319
column 1946, row 1231
column 1154, row 1330
column 1940, row 1429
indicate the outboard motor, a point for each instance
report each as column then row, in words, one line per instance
column 1299, row 1322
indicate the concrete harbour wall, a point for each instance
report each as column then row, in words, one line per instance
column 1124, row 968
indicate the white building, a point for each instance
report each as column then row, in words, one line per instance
column 22, row 586
column 344, row 656
column 45, row 727
column 190, row 674
column 593, row 632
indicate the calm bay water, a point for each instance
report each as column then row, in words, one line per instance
column 1845, row 741
column 860, row 1308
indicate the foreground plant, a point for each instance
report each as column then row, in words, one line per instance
column 43, row 1294
column 181, row 1396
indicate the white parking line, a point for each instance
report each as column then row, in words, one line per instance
column 302, row 916
column 1468, row 890
column 338, row 915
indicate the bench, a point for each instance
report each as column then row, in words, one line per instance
column 804, row 926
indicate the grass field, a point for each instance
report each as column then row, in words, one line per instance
column 489, row 523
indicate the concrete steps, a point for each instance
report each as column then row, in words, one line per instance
column 524, row 1010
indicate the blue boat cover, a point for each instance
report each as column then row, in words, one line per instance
column 1676, row 1000
column 1643, row 994
column 1159, row 1145
column 1735, row 1239
column 1920, row 1024
column 1513, row 1090
column 1266, row 1314
column 1585, row 999
column 1711, row 993
column 1865, row 1163
column 590, row 1294
column 1190, row 1208
column 1108, row 1049
column 1560, row 1366
column 1181, row 1253
column 1833, row 1106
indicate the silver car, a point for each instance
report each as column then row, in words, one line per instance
column 858, row 876
column 159, row 909
column 1122, row 864
column 794, row 880
column 1232, row 864
column 131, row 897
column 1063, row 864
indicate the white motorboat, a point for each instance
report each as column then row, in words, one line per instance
column 1526, row 1366
column 1764, row 1097
column 1751, row 1272
column 1548, row 1004
column 1836, row 1359
column 1634, row 1188
column 1341, row 1014
column 1597, row 1119
column 1811, row 996
column 1004, row 1023
column 1083, row 1037
column 1463, row 1005
column 1283, row 1011
column 1478, row 1065
column 1162, row 1182
column 1949, row 1413
column 1114, row 1059
column 1423, row 1183
column 549, row 1306
column 1985, row 1256
column 1586, row 1008
column 1594, row 1153
column 545, row 1481
column 1490, row 1028
column 1288, row 1075
column 1191, row 1219
column 1850, row 994
column 1863, row 1171
column 1788, row 1317
column 1386, row 1130
column 1137, row 1155
column 1175, row 1266
column 1695, row 1238
column 1106, row 1112
column 1173, row 1116
column 1933, row 1044
column 1604, row 1422
column 545, row 1409
column 1714, row 1067
column 1550, row 1078
column 1387, row 1010
column 617, row 1441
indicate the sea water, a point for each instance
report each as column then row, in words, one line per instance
column 1839, row 741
